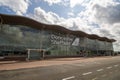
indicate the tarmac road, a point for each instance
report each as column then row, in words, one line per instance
column 106, row 69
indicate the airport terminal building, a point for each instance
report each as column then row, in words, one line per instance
column 25, row 37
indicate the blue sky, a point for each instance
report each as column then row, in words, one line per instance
column 101, row 17
column 61, row 10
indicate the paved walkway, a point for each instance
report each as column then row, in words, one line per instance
column 58, row 61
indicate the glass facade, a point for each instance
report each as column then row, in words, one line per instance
column 18, row 38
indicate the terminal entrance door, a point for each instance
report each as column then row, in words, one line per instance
column 35, row 54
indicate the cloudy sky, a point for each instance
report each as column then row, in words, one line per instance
column 101, row 17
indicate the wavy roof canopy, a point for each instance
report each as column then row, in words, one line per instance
column 20, row 20
column 93, row 36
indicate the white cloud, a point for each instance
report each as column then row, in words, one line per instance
column 18, row 6
column 52, row 18
column 70, row 14
column 18, row 13
column 46, row 17
column 75, row 2
column 50, row 2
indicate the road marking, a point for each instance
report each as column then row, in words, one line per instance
column 95, row 78
column 116, row 65
column 109, row 67
column 99, row 70
column 97, row 62
column 87, row 73
column 103, row 75
column 68, row 78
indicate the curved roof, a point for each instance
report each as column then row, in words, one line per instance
column 20, row 20
column 93, row 36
